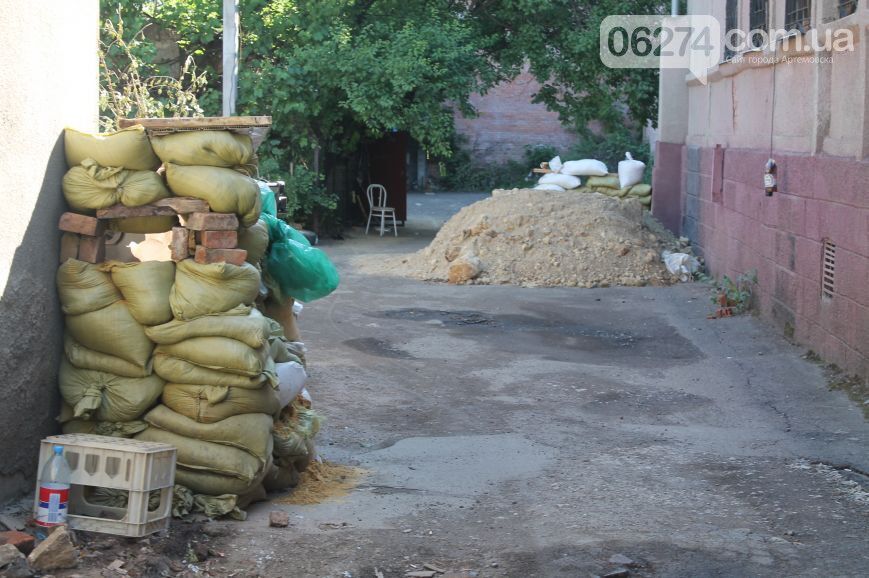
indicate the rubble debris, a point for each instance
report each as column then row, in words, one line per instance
column 541, row 239
column 57, row 551
column 279, row 519
column 8, row 554
column 21, row 540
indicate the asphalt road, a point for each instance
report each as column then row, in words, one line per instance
column 541, row 432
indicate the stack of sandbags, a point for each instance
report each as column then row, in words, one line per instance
column 213, row 166
column 106, row 376
column 565, row 176
column 221, row 359
column 114, row 168
column 610, row 186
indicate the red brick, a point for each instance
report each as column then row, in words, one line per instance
column 21, row 540
column 218, row 239
column 75, row 223
column 68, row 246
column 232, row 256
column 212, row 222
column 180, row 243
column 92, row 249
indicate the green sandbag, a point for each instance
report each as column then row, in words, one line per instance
column 293, row 268
column 242, row 323
column 210, row 468
column 128, row 148
column 210, row 404
column 104, row 428
column 145, row 287
column 85, row 358
column 281, row 478
column 646, row 201
column 215, row 288
column 112, row 330
column 293, row 433
column 106, row 397
column 220, row 353
column 176, row 370
column 251, row 432
column 90, row 186
column 83, row 287
column 143, row 225
column 211, row 148
column 254, row 240
column 611, row 181
column 225, row 190
column 641, row 190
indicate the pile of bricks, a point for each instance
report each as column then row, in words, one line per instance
column 207, row 237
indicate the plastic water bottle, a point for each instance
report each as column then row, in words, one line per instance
column 54, row 491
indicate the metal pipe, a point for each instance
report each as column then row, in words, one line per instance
column 674, row 7
column 230, row 56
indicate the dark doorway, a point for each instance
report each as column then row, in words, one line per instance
column 388, row 167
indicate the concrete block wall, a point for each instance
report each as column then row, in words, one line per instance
column 50, row 80
column 508, row 121
column 782, row 238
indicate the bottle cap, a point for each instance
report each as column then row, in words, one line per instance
column 58, row 450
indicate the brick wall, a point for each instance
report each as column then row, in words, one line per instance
column 782, row 237
column 508, row 121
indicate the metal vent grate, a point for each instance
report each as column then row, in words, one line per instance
column 828, row 270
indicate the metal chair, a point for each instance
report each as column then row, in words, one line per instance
column 378, row 193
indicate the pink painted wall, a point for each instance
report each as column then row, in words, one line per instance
column 508, row 121
column 781, row 237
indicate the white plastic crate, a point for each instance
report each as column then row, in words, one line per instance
column 134, row 466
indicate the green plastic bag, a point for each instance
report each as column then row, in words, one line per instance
column 293, row 268
column 268, row 200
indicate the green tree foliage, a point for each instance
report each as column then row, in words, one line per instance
column 334, row 73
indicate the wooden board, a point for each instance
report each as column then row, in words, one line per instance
column 163, row 208
column 197, row 123
column 542, row 171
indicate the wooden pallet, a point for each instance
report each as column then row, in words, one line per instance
column 208, row 237
column 255, row 126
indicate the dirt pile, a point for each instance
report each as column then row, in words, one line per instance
column 545, row 239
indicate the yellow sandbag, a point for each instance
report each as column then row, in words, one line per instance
column 283, row 314
column 206, row 289
column 105, row 397
column 611, row 181
column 112, row 330
column 254, row 240
column 251, row 432
column 212, row 148
column 176, row 370
column 85, row 358
column 143, row 225
column 210, row 468
column 225, row 190
column 209, row 403
column 91, row 186
column 220, row 353
column 248, row 326
column 83, row 287
column 128, row 148
column 641, row 190
column 145, row 287
column 104, row 428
